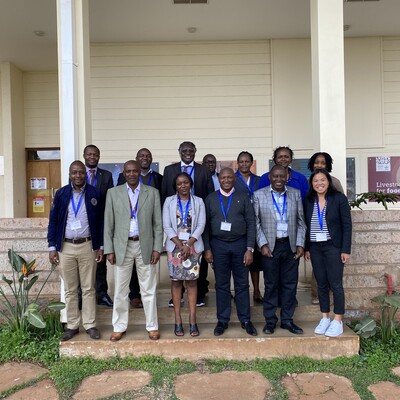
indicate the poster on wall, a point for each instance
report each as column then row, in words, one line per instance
column 38, row 204
column 384, row 174
column 38, row 183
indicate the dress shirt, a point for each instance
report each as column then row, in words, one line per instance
column 279, row 198
column 88, row 175
column 190, row 171
column 214, row 177
column 134, row 199
column 81, row 216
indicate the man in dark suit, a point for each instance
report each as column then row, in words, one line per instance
column 210, row 161
column 202, row 186
column 101, row 179
column 150, row 178
column 75, row 240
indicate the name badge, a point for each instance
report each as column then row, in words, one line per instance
column 76, row 225
column 281, row 226
column 133, row 225
column 184, row 235
column 321, row 237
column 226, row 226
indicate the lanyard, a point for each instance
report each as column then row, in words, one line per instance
column 184, row 215
column 281, row 213
column 250, row 187
column 225, row 213
column 133, row 210
column 321, row 215
column 88, row 178
column 76, row 208
column 150, row 178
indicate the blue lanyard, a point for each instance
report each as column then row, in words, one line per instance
column 281, row 213
column 76, row 208
column 321, row 215
column 133, row 210
column 149, row 182
column 250, row 187
column 225, row 213
column 184, row 215
column 88, row 178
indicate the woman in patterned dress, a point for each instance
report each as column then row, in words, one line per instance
column 184, row 219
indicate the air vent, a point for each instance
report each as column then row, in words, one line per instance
column 359, row 1
column 190, row 1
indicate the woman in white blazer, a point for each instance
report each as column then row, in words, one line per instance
column 184, row 219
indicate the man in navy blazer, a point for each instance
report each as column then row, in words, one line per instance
column 202, row 186
column 75, row 240
column 101, row 179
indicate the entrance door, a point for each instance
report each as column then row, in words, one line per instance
column 43, row 180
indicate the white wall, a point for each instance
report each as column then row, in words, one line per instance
column 217, row 94
column 226, row 97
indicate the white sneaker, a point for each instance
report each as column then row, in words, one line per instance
column 335, row 329
column 322, row 326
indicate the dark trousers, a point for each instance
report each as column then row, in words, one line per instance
column 328, row 270
column 202, row 282
column 101, row 278
column 228, row 260
column 281, row 274
column 134, row 288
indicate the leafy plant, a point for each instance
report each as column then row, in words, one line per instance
column 390, row 304
column 20, row 312
column 378, row 197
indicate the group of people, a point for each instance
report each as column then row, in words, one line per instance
column 237, row 222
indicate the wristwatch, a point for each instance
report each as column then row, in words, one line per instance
column 250, row 249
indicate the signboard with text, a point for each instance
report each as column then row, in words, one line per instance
column 384, row 174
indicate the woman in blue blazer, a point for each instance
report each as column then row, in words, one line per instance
column 328, row 245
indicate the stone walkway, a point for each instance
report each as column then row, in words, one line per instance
column 35, row 385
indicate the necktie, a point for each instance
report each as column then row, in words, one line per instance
column 185, row 169
column 92, row 172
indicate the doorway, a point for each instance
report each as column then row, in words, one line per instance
column 43, row 179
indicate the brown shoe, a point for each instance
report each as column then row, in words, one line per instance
column 154, row 335
column 93, row 333
column 115, row 336
column 136, row 303
column 69, row 334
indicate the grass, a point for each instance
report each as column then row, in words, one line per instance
column 374, row 364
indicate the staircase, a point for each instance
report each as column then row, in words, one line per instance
column 234, row 344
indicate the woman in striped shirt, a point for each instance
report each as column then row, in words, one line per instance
column 328, row 245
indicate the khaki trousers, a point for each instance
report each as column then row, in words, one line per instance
column 78, row 262
column 147, row 275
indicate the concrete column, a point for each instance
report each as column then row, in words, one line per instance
column 328, row 95
column 74, row 80
column 12, row 147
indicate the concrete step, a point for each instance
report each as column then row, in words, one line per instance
column 234, row 344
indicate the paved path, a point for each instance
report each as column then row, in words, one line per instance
column 35, row 385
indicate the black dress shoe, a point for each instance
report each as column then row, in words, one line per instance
column 105, row 300
column 220, row 328
column 293, row 328
column 93, row 333
column 269, row 328
column 69, row 334
column 249, row 327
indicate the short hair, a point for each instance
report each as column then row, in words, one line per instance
column 328, row 161
column 276, row 166
column 209, row 155
column 245, row 153
column 89, row 146
column 312, row 194
column 186, row 143
column 275, row 153
column 186, row 175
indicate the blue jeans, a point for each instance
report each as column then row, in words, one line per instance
column 328, row 270
column 228, row 260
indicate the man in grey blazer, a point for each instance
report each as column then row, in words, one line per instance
column 281, row 236
column 133, row 232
